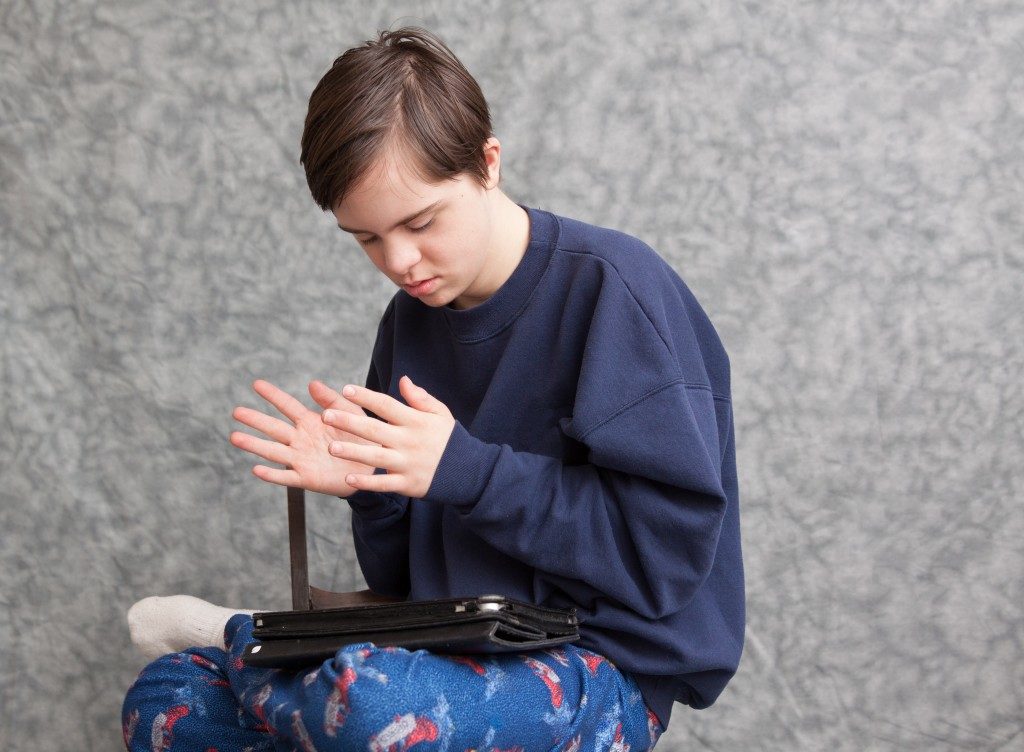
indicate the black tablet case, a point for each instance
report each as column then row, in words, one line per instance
column 482, row 624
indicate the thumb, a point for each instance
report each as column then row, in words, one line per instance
column 322, row 394
column 417, row 396
column 327, row 398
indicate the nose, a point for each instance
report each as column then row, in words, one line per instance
column 400, row 257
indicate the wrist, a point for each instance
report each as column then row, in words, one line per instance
column 464, row 470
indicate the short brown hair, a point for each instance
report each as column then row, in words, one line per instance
column 405, row 92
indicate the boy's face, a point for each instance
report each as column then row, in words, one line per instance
column 449, row 244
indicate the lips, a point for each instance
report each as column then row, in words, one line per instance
column 423, row 286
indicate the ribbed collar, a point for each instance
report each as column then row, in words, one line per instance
column 501, row 309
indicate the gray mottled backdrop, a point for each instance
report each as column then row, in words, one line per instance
column 839, row 183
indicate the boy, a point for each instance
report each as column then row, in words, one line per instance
column 549, row 418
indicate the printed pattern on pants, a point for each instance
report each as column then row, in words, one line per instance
column 386, row 700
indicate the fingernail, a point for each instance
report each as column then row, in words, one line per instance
column 329, row 415
column 349, row 390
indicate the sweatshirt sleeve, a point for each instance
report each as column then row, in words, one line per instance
column 380, row 531
column 638, row 522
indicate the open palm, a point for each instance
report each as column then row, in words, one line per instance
column 301, row 446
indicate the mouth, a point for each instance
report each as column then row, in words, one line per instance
column 418, row 288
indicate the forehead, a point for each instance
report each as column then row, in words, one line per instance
column 393, row 182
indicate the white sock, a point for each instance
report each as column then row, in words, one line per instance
column 161, row 625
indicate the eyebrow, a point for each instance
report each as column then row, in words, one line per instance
column 410, row 218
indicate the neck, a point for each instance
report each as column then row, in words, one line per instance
column 511, row 238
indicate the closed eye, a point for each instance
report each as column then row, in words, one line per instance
column 421, row 228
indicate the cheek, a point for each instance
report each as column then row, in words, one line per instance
column 376, row 257
column 466, row 252
column 442, row 254
column 379, row 262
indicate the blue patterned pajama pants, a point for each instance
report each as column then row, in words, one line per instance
column 372, row 698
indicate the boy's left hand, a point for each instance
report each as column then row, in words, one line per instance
column 411, row 441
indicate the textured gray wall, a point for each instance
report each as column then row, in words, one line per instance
column 839, row 183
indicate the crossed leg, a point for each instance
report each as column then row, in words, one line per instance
column 367, row 697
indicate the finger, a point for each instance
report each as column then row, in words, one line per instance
column 278, row 476
column 275, row 428
column 390, row 483
column 322, row 394
column 268, row 450
column 383, row 405
column 362, row 426
column 326, row 397
column 419, row 397
column 367, row 454
column 290, row 407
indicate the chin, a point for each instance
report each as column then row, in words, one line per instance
column 438, row 301
column 441, row 297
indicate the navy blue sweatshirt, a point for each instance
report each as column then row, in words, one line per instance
column 592, row 463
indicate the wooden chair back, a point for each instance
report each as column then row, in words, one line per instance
column 305, row 597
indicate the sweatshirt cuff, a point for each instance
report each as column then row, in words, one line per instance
column 373, row 504
column 464, row 470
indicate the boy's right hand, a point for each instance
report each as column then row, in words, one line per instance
column 302, row 445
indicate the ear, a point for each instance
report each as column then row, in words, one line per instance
column 492, row 156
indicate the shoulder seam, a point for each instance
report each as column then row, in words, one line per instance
column 628, row 289
column 617, row 412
